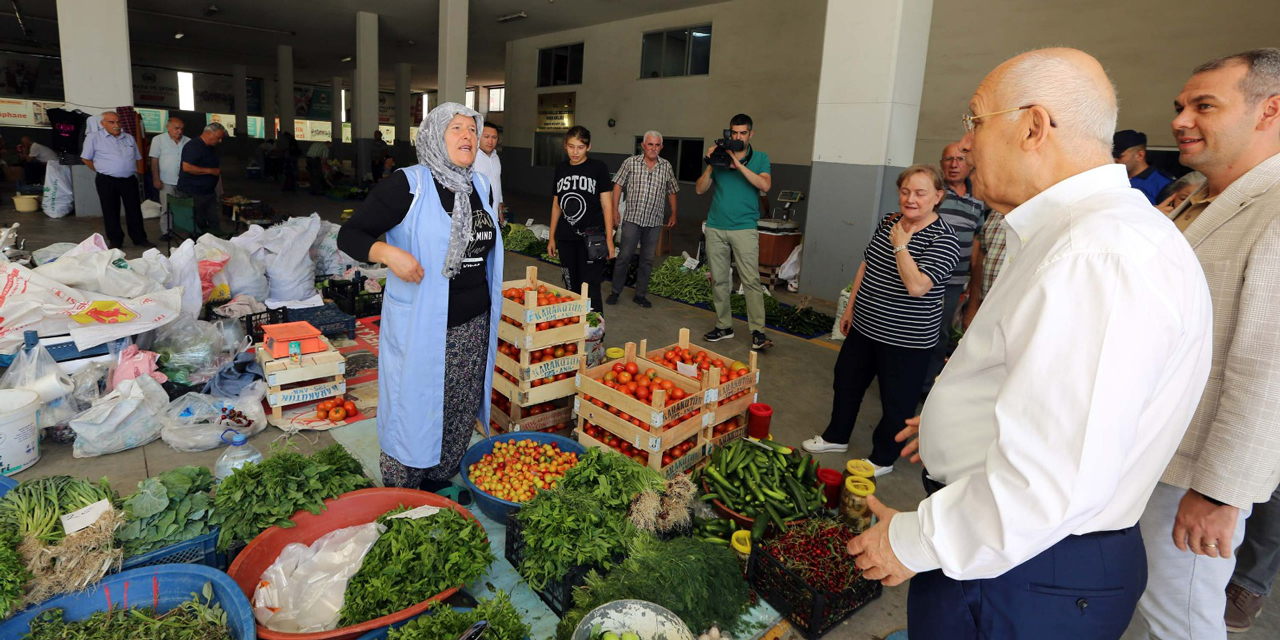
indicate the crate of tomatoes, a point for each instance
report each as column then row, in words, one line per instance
column 631, row 406
column 536, row 315
column 548, row 417
column 730, row 385
column 535, row 376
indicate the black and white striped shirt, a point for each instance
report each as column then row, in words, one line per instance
column 883, row 310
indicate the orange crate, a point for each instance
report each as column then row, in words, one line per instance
column 277, row 337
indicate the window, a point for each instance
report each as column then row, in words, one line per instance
column 426, row 105
column 560, row 65
column 186, row 91
column 684, row 154
column 497, row 99
column 679, row 52
column 471, row 98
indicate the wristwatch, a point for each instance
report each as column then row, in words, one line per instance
column 897, row 249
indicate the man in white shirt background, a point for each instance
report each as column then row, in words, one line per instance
column 166, row 165
column 35, row 158
column 488, row 163
column 1049, row 428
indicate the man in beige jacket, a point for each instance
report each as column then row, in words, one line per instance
column 1228, row 128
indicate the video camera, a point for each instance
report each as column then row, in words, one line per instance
column 720, row 155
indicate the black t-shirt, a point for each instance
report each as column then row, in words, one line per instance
column 387, row 205
column 198, row 153
column 578, row 189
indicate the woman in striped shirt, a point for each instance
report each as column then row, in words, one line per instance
column 893, row 317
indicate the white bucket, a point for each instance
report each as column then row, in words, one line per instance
column 19, row 437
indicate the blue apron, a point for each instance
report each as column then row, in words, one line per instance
column 414, row 321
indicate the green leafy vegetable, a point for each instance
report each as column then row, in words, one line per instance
column 13, row 572
column 567, row 528
column 799, row 320
column 447, row 622
column 191, row 620
column 266, row 494
column 672, row 280
column 611, row 478
column 698, row 581
column 167, row 509
column 414, row 560
column 34, row 507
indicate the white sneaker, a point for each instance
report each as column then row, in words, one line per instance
column 817, row 445
column 880, row 471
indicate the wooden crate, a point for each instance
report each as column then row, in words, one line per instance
column 525, row 333
column 716, row 441
column 513, row 417
column 655, row 415
column 315, row 377
column 688, row 461
column 720, row 399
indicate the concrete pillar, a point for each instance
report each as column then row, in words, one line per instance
column 96, row 66
column 240, row 87
column 453, row 51
column 336, row 120
column 869, row 90
column 366, row 90
column 404, row 103
column 482, row 101
column 268, row 109
column 284, row 86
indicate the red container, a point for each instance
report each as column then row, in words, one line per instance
column 758, row 416
column 347, row 510
column 830, row 479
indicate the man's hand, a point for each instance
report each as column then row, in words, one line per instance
column 157, row 183
column 672, row 222
column 613, row 252
column 1204, row 527
column 912, row 449
column 873, row 553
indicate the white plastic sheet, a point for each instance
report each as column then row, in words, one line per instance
column 303, row 590
column 105, row 272
column 126, row 418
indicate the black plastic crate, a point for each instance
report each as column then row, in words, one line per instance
column 254, row 322
column 812, row 612
column 327, row 319
column 350, row 297
column 558, row 595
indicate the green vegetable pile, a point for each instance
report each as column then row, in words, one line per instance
column 13, row 572
column 518, row 238
column 611, row 478
column 191, row 620
column 167, row 509
column 798, row 320
column 446, row 622
column 672, row 280
column 258, row 496
column 563, row 529
column 702, row 583
column 35, row 507
column 414, row 560
column 764, row 481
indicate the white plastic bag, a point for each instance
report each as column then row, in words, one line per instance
column 37, row 371
column 196, row 421
column 154, row 265
column 184, row 272
column 105, row 272
column 58, row 199
column 790, row 269
column 303, row 590
column 31, row 301
column 251, row 240
column 290, row 268
column 213, row 281
column 190, row 349
column 836, row 333
column 330, row 261
column 126, row 418
column 244, row 275
column 93, row 243
column 151, row 209
column 595, row 342
column 48, row 254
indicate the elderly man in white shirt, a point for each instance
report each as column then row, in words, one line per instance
column 166, row 165
column 488, row 163
column 1049, row 428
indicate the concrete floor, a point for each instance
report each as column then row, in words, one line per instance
column 796, row 381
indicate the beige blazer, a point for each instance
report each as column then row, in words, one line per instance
column 1231, row 451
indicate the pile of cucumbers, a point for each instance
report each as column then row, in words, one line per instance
column 764, row 481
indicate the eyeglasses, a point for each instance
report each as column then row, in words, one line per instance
column 969, row 120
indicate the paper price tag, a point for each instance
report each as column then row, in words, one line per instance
column 420, row 512
column 712, row 395
column 529, row 222
column 691, row 263
column 687, row 370
column 545, row 234
column 655, row 444
column 81, row 518
column 577, row 404
column 577, row 381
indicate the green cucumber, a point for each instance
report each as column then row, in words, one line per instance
column 773, row 515
column 757, row 529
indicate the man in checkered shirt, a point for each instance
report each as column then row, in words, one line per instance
column 648, row 180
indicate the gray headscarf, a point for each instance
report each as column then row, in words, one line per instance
column 433, row 154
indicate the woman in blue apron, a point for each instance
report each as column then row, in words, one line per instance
column 442, row 302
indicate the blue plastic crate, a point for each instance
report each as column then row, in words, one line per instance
column 198, row 550
column 62, row 351
column 327, row 319
column 163, row 586
column 6, row 483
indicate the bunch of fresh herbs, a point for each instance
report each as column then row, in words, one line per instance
column 413, row 560
column 170, row 508
column 446, row 622
column 258, row 496
column 13, row 572
column 34, row 507
column 611, row 478
column 699, row 582
column 191, row 620
column 566, row 528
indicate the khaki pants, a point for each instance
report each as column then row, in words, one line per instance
column 743, row 247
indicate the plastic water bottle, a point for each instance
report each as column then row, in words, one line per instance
column 237, row 455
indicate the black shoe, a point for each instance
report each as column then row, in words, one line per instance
column 644, row 302
column 613, row 299
column 168, row 237
column 718, row 334
column 760, row 341
column 145, row 243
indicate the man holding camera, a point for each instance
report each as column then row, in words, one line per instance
column 739, row 174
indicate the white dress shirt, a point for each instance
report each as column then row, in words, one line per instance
column 1071, row 389
column 491, row 167
column 168, row 155
column 41, row 153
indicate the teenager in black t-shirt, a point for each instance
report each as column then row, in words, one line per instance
column 582, row 208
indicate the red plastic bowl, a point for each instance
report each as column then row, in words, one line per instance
column 347, row 510
column 744, row 521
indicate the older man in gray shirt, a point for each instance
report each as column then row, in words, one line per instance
column 114, row 156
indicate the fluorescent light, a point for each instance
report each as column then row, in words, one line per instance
column 699, row 34
column 347, row 59
column 514, row 16
column 178, row 35
column 186, row 92
column 344, row 105
column 426, row 105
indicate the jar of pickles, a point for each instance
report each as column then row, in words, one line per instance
column 740, row 542
column 858, row 468
column 854, row 511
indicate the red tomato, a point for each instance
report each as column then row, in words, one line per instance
column 350, row 408
column 624, row 377
column 322, row 414
column 338, row 415
column 632, row 368
column 618, row 367
column 642, row 393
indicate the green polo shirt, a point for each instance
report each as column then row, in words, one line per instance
column 735, row 203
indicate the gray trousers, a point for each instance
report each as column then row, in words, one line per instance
column 647, row 238
column 950, row 304
column 1259, row 555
